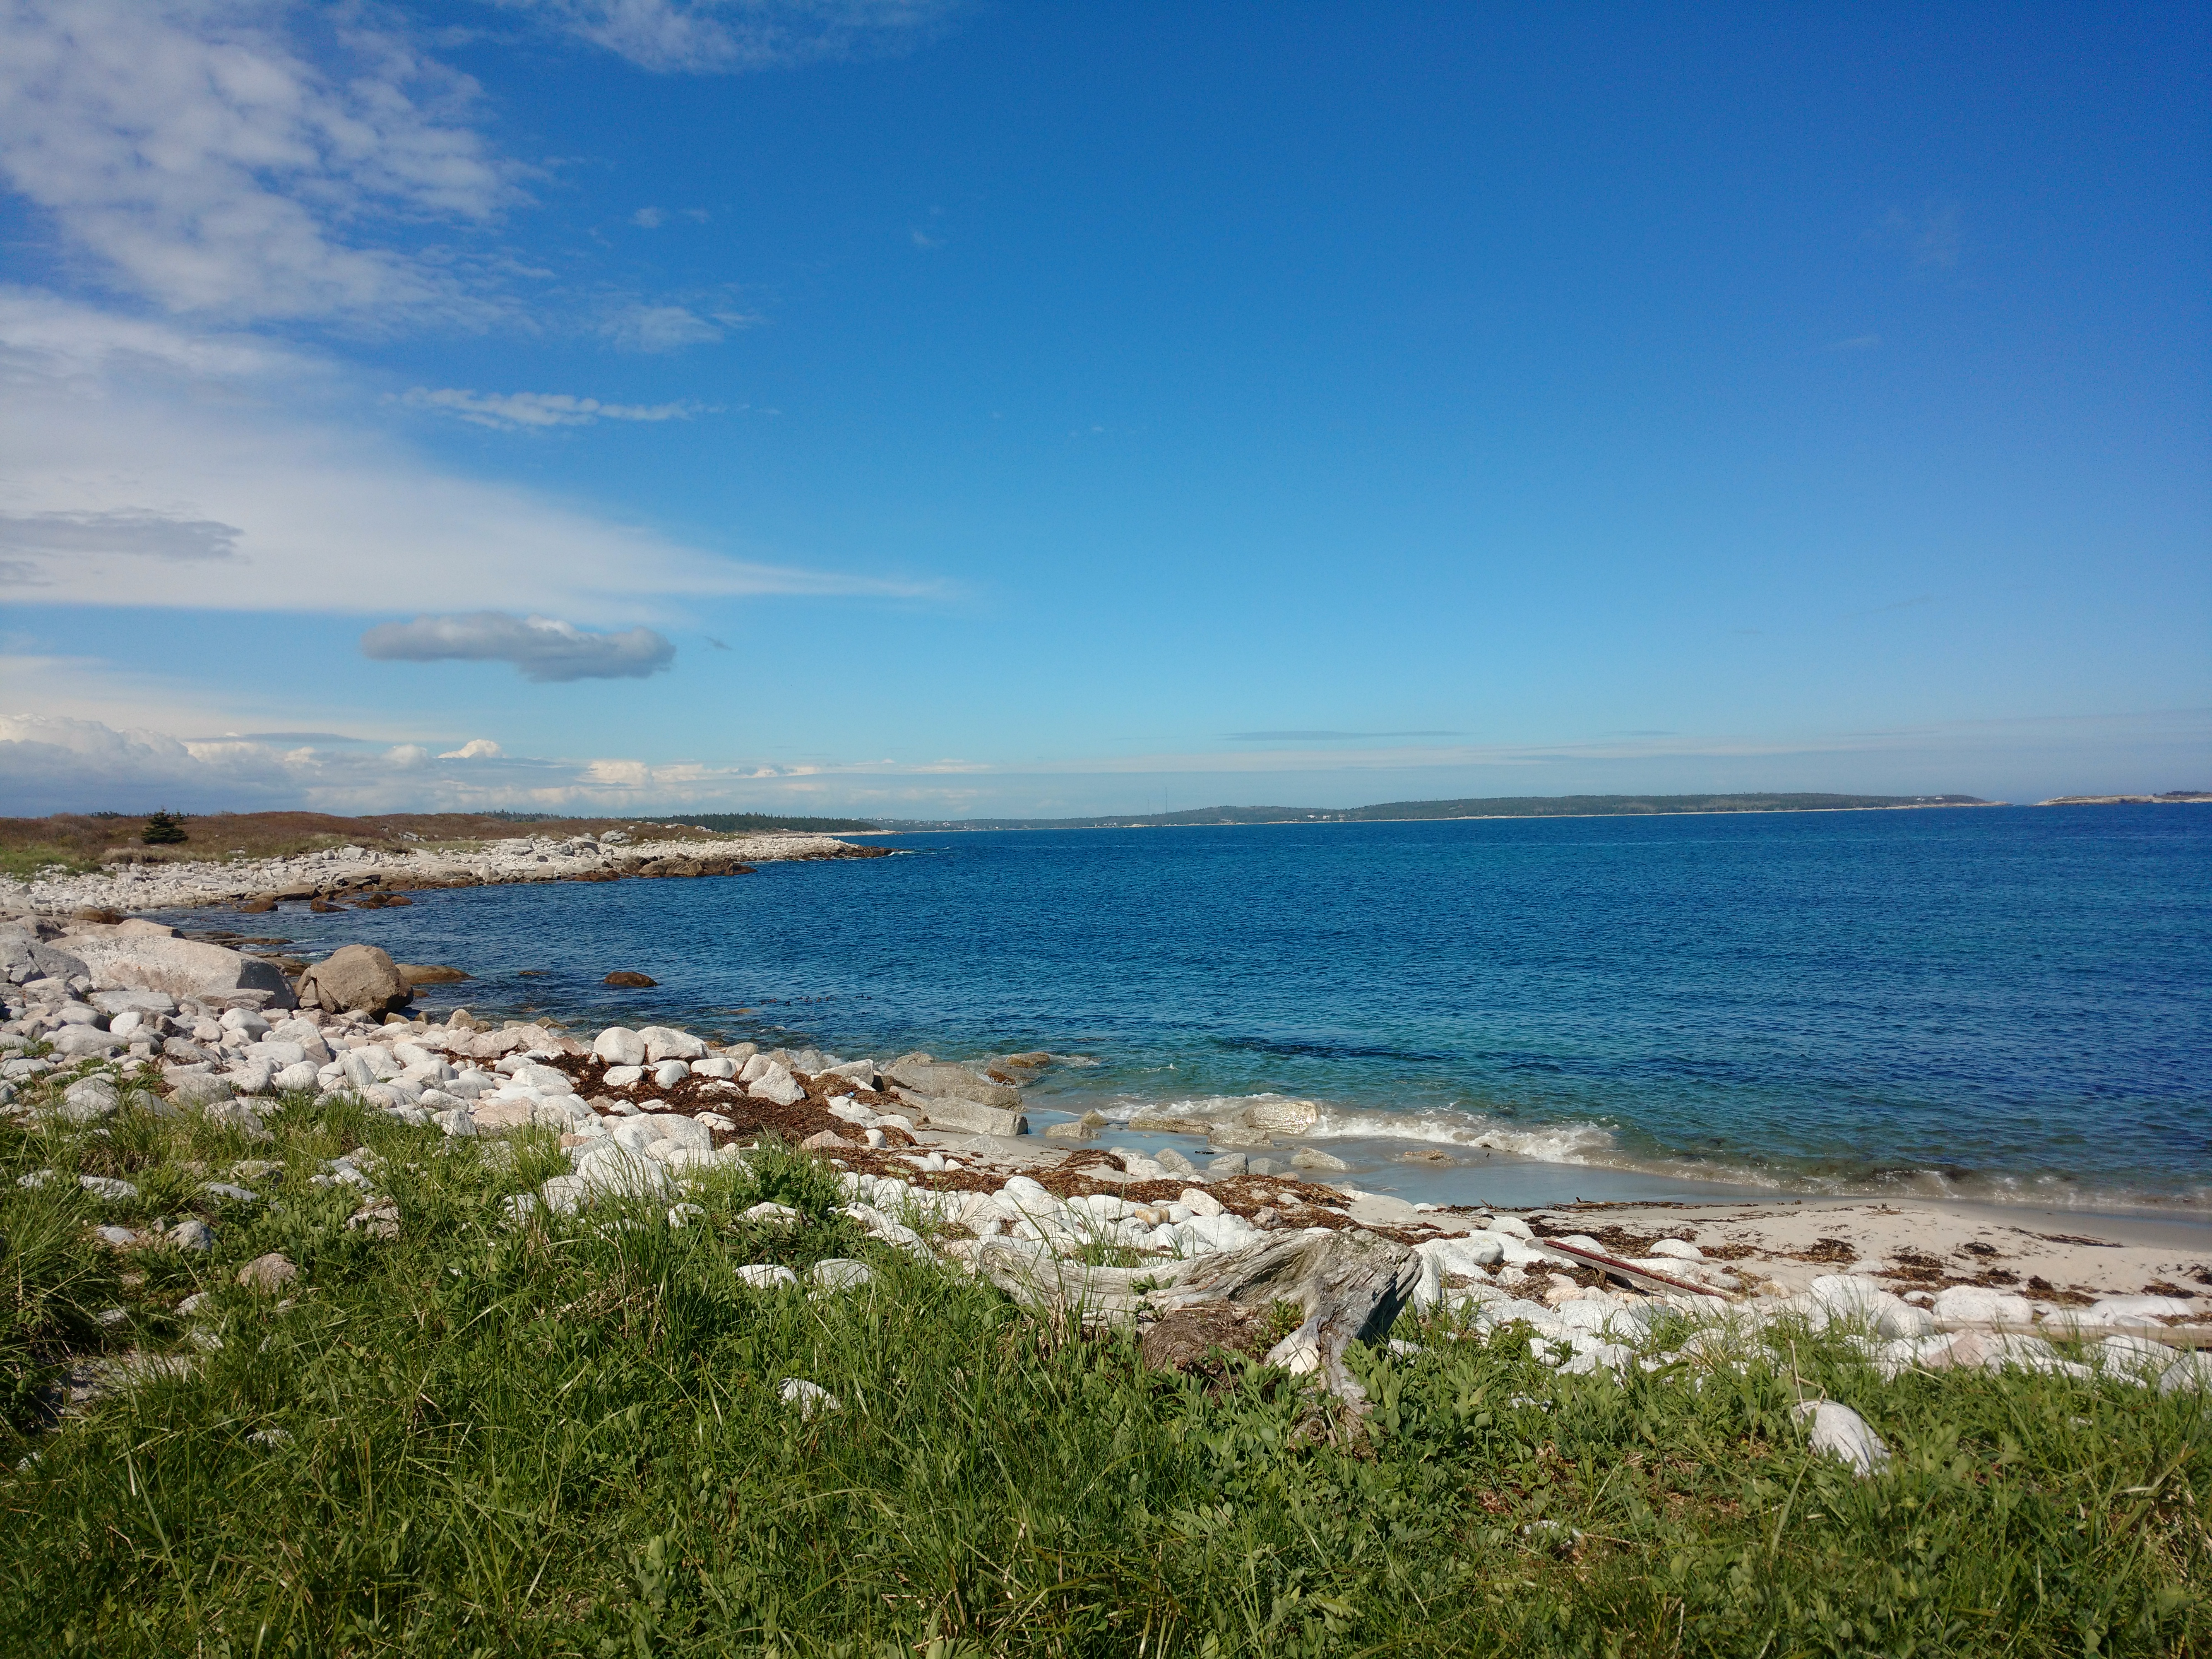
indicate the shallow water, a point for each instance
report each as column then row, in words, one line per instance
column 1997, row 1002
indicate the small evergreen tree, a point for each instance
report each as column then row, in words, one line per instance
column 162, row 830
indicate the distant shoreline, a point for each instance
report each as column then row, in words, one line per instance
column 1465, row 818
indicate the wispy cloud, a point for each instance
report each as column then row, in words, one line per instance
column 1857, row 342
column 508, row 410
column 1932, row 237
column 193, row 147
column 1327, row 736
column 664, row 328
column 702, row 37
column 131, row 531
column 123, row 428
column 541, row 648
column 648, row 218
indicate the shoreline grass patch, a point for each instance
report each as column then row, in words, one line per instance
column 570, row 1435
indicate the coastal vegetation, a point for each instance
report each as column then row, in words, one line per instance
column 455, row 1431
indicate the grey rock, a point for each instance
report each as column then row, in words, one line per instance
column 840, row 1273
column 81, row 1013
column 1262, row 1166
column 193, row 1235
column 1175, row 1163
column 1312, row 1157
column 200, row 1090
column 1229, row 1163
column 1351, row 1286
column 114, row 1191
column 236, row 1194
column 269, row 1272
column 121, row 1239
column 669, row 1073
column 622, row 1077
column 968, row 1116
column 89, row 1100
column 356, row 976
column 939, row 1081
column 133, row 1002
column 77, row 1042
column 130, row 957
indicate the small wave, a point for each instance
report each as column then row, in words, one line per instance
column 1594, row 1146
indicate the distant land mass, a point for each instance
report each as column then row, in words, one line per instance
column 1495, row 807
column 2170, row 798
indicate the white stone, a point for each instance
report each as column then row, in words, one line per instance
column 2192, row 1373
column 107, row 1187
column 772, row 1215
column 1681, row 1249
column 766, row 1276
column 622, row 1077
column 1841, row 1432
column 839, row 1273
column 809, row 1397
column 777, row 1085
column 665, row 1043
column 669, row 1073
column 716, row 1067
column 620, row 1046
column 1980, row 1305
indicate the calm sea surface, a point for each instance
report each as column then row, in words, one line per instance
column 2000, row 1002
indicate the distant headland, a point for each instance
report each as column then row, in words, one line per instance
column 1495, row 807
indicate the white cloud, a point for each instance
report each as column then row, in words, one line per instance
column 666, row 328
column 543, row 649
column 508, row 410
column 193, row 147
column 648, row 218
column 721, row 36
column 474, row 749
column 101, row 415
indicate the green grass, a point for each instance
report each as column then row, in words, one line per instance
column 566, row 1438
column 30, row 863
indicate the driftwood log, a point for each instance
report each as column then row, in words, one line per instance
column 1351, row 1286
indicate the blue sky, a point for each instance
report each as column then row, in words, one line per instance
column 926, row 408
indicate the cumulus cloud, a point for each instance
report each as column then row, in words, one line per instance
column 719, row 37
column 541, row 648
column 194, row 146
column 508, row 410
column 474, row 749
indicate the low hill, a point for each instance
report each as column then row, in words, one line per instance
column 1496, row 806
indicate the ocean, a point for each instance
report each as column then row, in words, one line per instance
column 1995, row 1003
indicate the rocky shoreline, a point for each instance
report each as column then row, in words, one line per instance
column 359, row 874
column 935, row 1159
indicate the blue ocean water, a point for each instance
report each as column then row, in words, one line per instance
column 1997, row 1001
